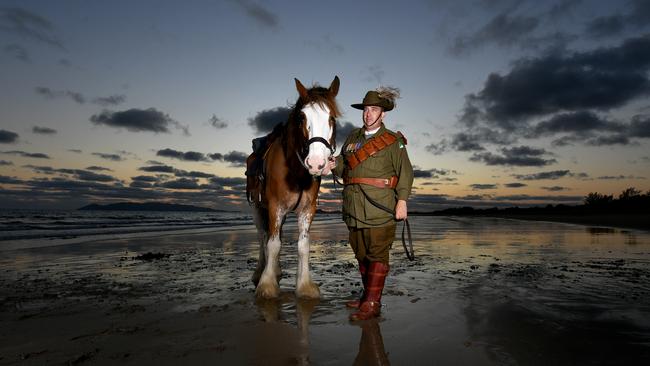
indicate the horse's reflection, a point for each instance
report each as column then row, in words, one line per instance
column 371, row 346
column 270, row 311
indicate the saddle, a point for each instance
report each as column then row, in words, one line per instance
column 255, row 166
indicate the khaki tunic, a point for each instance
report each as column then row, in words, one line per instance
column 392, row 160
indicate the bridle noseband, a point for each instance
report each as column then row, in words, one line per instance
column 305, row 149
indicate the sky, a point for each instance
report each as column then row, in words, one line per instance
column 503, row 102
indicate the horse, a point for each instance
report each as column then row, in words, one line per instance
column 293, row 165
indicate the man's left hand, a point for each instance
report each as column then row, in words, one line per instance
column 400, row 210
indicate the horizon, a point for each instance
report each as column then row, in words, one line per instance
column 504, row 103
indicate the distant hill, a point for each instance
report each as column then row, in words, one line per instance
column 147, row 206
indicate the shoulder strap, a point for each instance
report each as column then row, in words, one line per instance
column 370, row 148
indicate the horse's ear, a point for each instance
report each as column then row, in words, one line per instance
column 334, row 87
column 302, row 91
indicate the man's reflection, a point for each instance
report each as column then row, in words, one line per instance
column 371, row 346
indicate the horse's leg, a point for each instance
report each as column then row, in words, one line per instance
column 305, row 287
column 268, row 287
column 259, row 214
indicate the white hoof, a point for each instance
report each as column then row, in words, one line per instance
column 267, row 290
column 308, row 290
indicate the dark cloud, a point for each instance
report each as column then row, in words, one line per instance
column 525, row 197
column 86, row 175
column 609, row 140
column 602, row 79
column 146, row 178
column 478, row 186
column 43, row 130
column 235, row 158
column 181, row 183
column 28, row 25
column 438, row 148
column 516, row 156
column 217, row 123
column 112, row 100
column 158, row 169
column 52, row 94
column 555, row 188
column 26, row 154
column 17, row 51
column 504, row 30
column 5, row 162
column 515, row 185
column 343, row 130
column 637, row 18
column 581, row 122
column 98, row 168
column 80, row 174
column 259, row 13
column 554, row 174
column 10, row 180
column 216, row 156
column 419, row 173
column 193, row 174
column 112, row 157
column 75, row 151
column 138, row 120
column 185, row 156
column 8, row 137
column 265, row 120
column 228, row 181
column 640, row 126
column 618, row 177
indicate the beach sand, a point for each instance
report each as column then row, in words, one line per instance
column 481, row 291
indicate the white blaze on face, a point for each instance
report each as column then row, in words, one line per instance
column 318, row 125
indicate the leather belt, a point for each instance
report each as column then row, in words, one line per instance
column 375, row 182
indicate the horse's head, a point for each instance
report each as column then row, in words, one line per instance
column 317, row 116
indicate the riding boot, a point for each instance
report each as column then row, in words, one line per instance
column 363, row 270
column 371, row 305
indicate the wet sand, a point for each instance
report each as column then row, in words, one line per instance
column 482, row 291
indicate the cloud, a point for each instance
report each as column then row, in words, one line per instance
column 185, row 156
column 8, row 137
column 112, row 157
column 581, row 122
column 556, row 188
column 53, row 94
column 265, row 120
column 10, row 180
column 228, row 181
column 602, row 79
column 28, row 25
column 419, row 173
column 259, row 13
column 112, row 100
column 235, row 158
column 552, row 175
column 193, row 174
column 515, row 185
column 17, row 51
column 217, row 122
column 98, row 168
column 138, row 120
column 157, row 169
column 478, row 186
column 504, row 30
column 612, row 25
column 26, row 154
column 343, row 130
column 181, row 183
column 80, row 174
column 618, row 177
column 75, row 151
column 43, row 130
column 5, row 162
column 375, row 74
column 516, row 156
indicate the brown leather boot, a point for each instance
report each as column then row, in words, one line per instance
column 363, row 270
column 371, row 306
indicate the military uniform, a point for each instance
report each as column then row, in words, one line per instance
column 371, row 228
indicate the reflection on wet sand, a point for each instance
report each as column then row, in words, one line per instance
column 371, row 345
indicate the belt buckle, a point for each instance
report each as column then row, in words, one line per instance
column 386, row 182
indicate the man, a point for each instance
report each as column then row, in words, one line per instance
column 378, row 177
